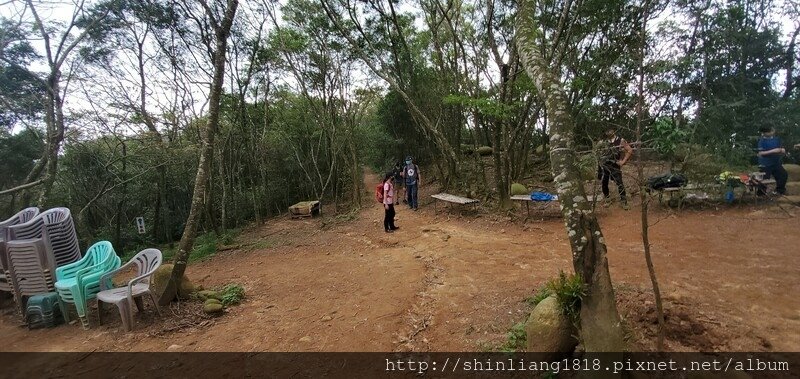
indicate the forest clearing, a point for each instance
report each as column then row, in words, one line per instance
column 556, row 179
column 453, row 283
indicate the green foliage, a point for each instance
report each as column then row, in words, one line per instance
column 665, row 136
column 569, row 290
column 542, row 293
column 21, row 89
column 206, row 245
column 515, row 339
column 17, row 155
column 740, row 52
column 699, row 164
column 486, row 106
column 232, row 294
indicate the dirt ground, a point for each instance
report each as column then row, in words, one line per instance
column 452, row 282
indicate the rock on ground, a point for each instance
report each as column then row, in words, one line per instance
column 161, row 278
column 548, row 329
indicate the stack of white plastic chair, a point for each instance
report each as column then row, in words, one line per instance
column 36, row 248
column 56, row 228
column 32, row 271
column 21, row 217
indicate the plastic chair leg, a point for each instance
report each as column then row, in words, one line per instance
column 124, row 314
column 155, row 303
column 80, row 306
column 64, row 310
column 139, row 303
column 99, row 312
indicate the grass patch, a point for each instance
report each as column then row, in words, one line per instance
column 543, row 293
column 515, row 339
column 205, row 246
column 349, row 216
column 260, row 245
column 232, row 294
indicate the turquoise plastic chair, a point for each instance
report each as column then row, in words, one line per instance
column 79, row 282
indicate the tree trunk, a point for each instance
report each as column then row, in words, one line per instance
column 221, row 33
column 123, row 195
column 600, row 323
column 55, row 134
column 223, row 207
column 642, row 193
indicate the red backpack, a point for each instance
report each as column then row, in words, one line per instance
column 379, row 193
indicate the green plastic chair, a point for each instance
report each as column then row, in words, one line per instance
column 79, row 282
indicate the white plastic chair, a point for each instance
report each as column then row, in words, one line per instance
column 21, row 217
column 147, row 261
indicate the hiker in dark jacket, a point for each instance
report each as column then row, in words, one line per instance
column 611, row 161
column 397, row 176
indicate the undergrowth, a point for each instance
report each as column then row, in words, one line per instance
column 568, row 290
column 232, row 294
column 205, row 246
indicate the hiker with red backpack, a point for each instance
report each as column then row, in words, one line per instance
column 384, row 193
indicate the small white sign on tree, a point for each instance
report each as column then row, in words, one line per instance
column 140, row 225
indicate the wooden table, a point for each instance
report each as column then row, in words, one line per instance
column 527, row 199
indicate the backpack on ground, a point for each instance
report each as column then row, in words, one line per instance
column 666, row 181
column 379, row 193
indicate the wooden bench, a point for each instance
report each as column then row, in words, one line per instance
column 453, row 199
column 672, row 191
column 680, row 192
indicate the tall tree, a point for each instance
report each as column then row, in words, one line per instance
column 58, row 49
column 600, row 323
column 221, row 29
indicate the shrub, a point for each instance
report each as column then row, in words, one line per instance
column 569, row 290
column 232, row 294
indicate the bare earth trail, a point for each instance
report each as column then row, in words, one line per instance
column 449, row 283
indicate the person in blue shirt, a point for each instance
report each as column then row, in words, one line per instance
column 769, row 158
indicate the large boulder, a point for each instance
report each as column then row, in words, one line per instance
column 161, row 278
column 548, row 330
column 794, row 172
column 519, row 189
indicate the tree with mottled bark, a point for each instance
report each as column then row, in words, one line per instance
column 600, row 327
